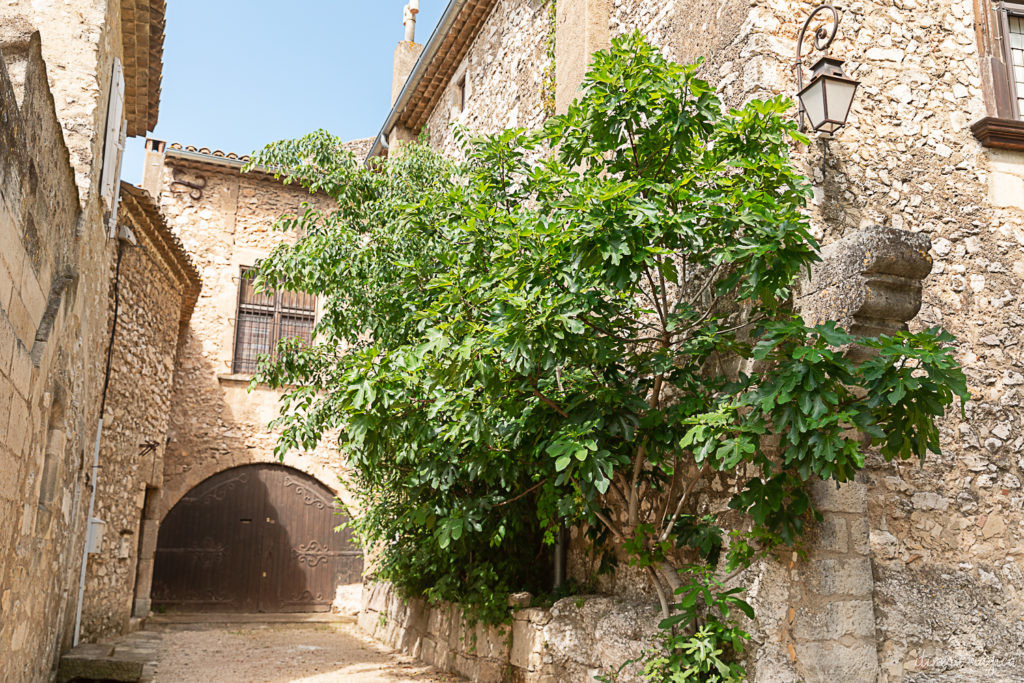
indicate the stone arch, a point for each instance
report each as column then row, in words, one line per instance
column 176, row 487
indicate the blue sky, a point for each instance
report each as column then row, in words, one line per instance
column 241, row 73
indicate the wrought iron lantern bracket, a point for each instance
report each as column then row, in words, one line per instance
column 823, row 38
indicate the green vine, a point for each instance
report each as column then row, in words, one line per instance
column 547, row 81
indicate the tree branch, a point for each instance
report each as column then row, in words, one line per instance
column 667, row 529
column 634, row 488
column 666, row 611
column 551, row 404
column 615, row 530
column 523, row 494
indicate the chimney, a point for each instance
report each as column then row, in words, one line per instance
column 408, row 50
column 152, row 171
column 409, row 20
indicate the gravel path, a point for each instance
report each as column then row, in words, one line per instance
column 284, row 652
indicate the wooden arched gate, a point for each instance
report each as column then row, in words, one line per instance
column 256, row 538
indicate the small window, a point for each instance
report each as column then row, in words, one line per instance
column 460, row 94
column 264, row 319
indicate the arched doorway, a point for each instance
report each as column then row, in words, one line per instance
column 255, row 538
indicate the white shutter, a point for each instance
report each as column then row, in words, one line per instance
column 113, row 143
column 115, row 200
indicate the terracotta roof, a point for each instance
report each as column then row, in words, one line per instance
column 142, row 29
column 204, row 155
column 444, row 51
column 206, row 150
column 146, row 217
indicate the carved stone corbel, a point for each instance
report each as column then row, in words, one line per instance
column 869, row 282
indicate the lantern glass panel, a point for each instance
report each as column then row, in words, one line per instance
column 839, row 99
column 813, row 98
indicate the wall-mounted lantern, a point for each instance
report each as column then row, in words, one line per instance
column 826, row 102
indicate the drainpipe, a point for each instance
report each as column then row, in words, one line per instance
column 123, row 235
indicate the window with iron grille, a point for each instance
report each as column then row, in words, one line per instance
column 266, row 318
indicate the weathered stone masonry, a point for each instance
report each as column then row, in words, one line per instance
column 157, row 290
column 39, row 213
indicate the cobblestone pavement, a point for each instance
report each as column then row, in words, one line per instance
column 283, row 652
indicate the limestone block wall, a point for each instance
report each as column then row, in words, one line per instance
column 944, row 536
column 156, row 290
column 55, row 268
column 80, row 40
column 909, row 160
column 49, row 348
column 224, row 219
column 217, row 422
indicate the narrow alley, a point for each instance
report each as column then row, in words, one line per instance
column 284, row 652
column 268, row 650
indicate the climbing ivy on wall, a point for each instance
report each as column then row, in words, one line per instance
column 579, row 325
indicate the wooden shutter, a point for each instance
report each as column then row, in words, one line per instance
column 113, row 144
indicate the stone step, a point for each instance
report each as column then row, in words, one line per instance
column 129, row 659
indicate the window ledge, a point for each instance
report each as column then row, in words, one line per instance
column 1000, row 133
column 242, row 378
column 235, row 378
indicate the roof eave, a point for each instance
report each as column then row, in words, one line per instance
column 412, row 84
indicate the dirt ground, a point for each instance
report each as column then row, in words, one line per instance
column 284, row 652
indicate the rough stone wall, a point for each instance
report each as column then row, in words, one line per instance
column 80, row 40
column 572, row 641
column 151, row 299
column 947, row 577
column 49, row 338
column 55, row 268
column 504, row 72
column 216, row 421
column 938, row 587
column 685, row 31
column 943, row 536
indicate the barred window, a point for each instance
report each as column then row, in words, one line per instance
column 266, row 318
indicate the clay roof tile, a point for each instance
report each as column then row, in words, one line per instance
column 142, row 30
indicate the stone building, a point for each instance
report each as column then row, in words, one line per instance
column 219, row 438
column 917, row 572
column 75, row 79
column 156, row 291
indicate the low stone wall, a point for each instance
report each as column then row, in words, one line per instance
column 574, row 640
